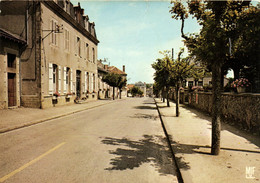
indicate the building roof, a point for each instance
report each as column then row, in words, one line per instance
column 101, row 66
column 8, row 35
column 115, row 70
column 129, row 86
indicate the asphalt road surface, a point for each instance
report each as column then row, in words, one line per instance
column 115, row 143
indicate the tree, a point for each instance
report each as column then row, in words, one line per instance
column 170, row 72
column 211, row 45
column 136, row 91
column 113, row 80
column 121, row 83
column 162, row 75
column 180, row 69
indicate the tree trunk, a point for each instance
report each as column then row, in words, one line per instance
column 113, row 93
column 163, row 94
column 236, row 73
column 216, row 108
column 177, row 99
column 167, row 96
column 120, row 93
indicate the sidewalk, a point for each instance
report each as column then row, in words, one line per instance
column 190, row 136
column 11, row 119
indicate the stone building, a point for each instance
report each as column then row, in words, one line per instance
column 104, row 88
column 55, row 51
column 122, row 72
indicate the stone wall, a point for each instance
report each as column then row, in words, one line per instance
column 242, row 110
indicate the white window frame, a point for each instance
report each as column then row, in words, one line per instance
column 78, row 46
column 53, row 37
column 66, row 39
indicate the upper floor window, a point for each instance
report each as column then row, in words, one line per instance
column 53, row 34
column 11, row 60
column 78, row 46
column 94, row 56
column 87, row 51
column 67, row 39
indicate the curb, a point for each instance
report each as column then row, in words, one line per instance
column 4, row 130
column 179, row 175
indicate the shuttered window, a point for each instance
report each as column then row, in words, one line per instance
column 50, row 78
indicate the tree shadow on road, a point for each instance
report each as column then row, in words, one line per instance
column 145, row 116
column 150, row 149
column 145, row 107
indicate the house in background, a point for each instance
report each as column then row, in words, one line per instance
column 115, row 70
column 141, row 86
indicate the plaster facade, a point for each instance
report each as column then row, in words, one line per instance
column 56, row 53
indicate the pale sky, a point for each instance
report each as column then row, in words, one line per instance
column 132, row 33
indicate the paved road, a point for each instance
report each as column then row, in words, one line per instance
column 115, row 143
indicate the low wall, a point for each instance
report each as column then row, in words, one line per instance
column 242, row 110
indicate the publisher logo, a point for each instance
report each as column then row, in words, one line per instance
column 250, row 171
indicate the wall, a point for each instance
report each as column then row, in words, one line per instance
column 57, row 54
column 242, row 110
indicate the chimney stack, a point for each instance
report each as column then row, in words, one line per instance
column 123, row 68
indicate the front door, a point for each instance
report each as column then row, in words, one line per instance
column 11, row 90
column 78, row 83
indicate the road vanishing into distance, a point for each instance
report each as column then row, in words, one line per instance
column 116, row 143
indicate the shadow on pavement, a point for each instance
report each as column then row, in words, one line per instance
column 190, row 149
column 150, row 149
column 225, row 126
column 145, row 107
column 145, row 116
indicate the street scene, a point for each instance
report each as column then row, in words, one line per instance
column 125, row 143
column 129, row 91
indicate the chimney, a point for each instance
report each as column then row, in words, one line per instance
column 123, row 68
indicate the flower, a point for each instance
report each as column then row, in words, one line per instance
column 241, row 82
column 57, row 94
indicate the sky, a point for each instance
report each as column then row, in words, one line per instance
column 132, row 33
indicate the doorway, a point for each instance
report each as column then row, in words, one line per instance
column 11, row 90
column 78, row 83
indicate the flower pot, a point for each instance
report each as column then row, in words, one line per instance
column 241, row 89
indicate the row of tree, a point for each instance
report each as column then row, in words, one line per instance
column 115, row 80
column 228, row 39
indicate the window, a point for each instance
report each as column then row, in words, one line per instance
column 11, row 60
column 88, row 89
column 53, row 34
column 200, row 83
column 55, row 78
column 68, row 79
column 87, row 52
column 78, row 47
column 67, row 39
column 93, row 50
column 94, row 82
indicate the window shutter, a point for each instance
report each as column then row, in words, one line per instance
column 50, row 78
column 64, row 80
column 86, row 77
column 59, row 82
column 71, row 81
column 75, row 45
column 91, row 82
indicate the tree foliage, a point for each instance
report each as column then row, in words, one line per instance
column 221, row 23
column 114, row 80
column 136, row 91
